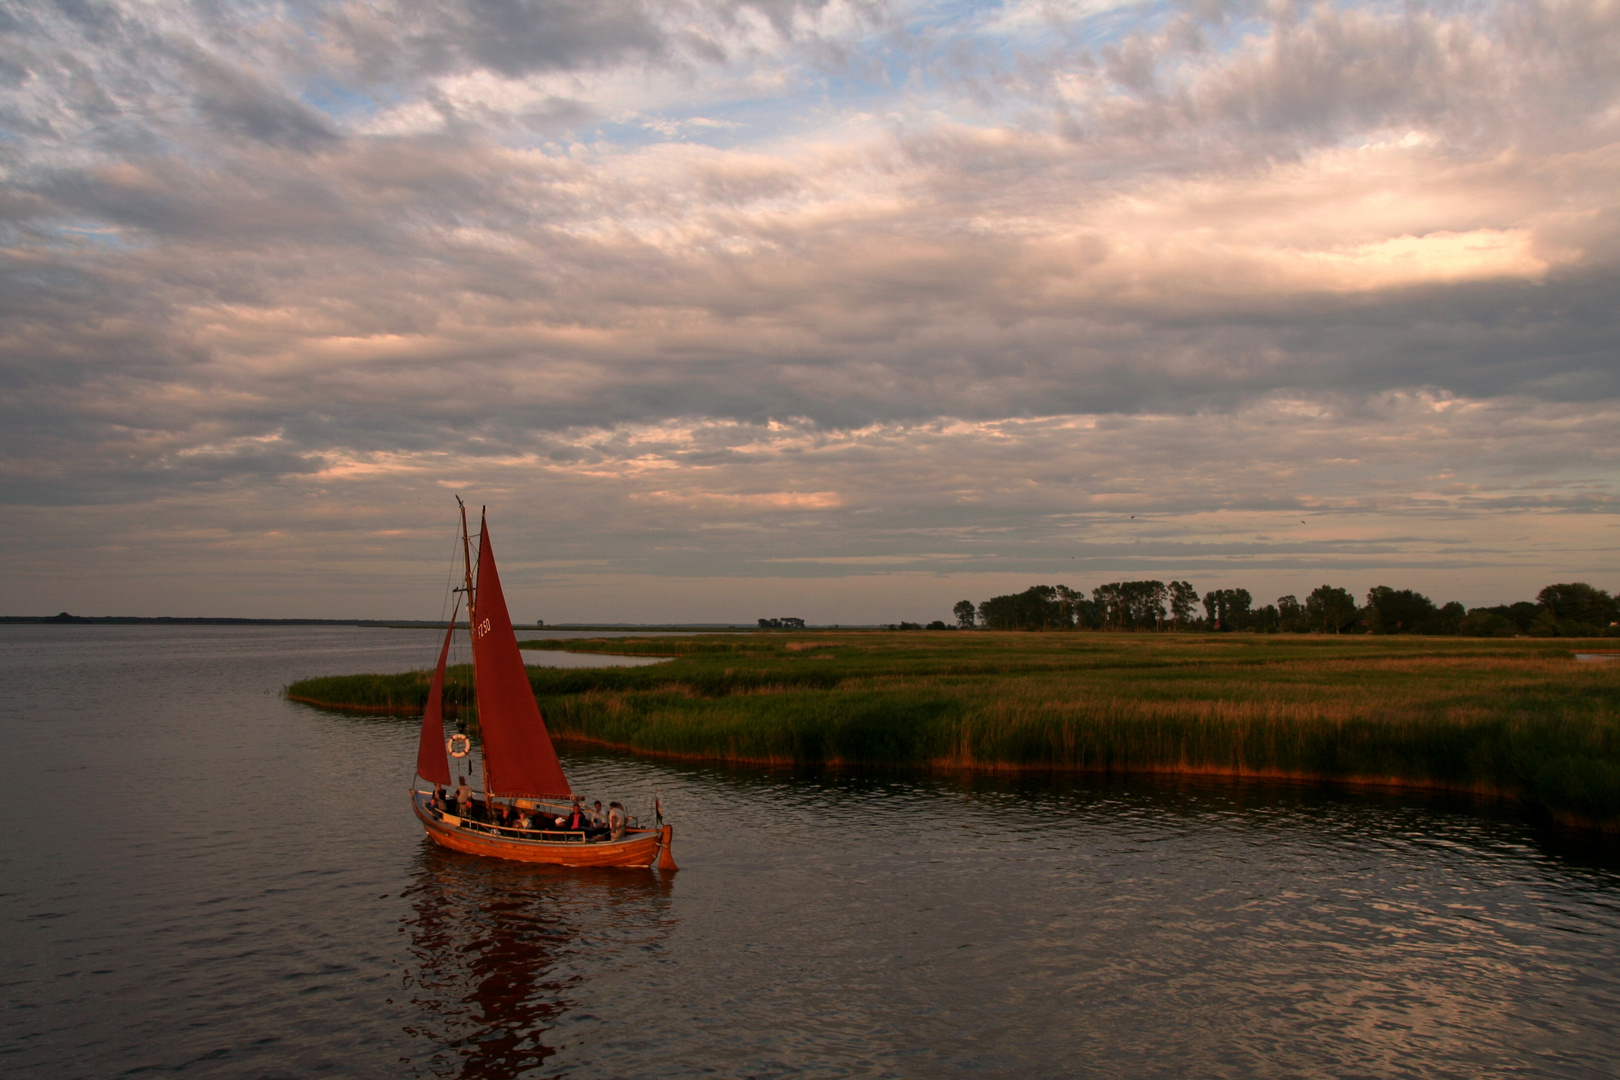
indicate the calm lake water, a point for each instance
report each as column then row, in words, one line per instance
column 203, row 879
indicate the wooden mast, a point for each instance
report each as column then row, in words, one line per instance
column 483, row 753
column 472, row 621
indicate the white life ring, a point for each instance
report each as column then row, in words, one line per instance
column 458, row 745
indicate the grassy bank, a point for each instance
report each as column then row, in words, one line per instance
column 1519, row 718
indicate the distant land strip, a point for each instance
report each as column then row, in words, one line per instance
column 64, row 619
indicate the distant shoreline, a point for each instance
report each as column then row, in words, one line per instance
column 64, row 619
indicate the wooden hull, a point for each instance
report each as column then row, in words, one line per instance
column 638, row 847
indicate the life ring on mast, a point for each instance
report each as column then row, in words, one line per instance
column 458, row 745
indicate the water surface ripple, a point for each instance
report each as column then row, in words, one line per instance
column 202, row 879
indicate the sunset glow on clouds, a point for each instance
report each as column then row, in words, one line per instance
column 844, row 310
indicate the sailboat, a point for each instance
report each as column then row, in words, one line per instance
column 527, row 812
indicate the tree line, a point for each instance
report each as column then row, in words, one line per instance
column 1574, row 609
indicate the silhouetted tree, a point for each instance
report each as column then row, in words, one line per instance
column 1488, row 622
column 1237, row 608
column 1575, row 609
column 1522, row 614
column 1036, row 608
column 1503, row 620
column 1127, row 605
column 1291, row 615
column 1228, row 609
column 1330, row 608
column 1399, row 611
column 1568, row 610
column 1084, row 612
column 1451, row 618
column 1111, row 605
column 1068, row 606
column 1183, row 601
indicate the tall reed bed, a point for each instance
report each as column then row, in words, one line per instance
column 1520, row 719
column 401, row 694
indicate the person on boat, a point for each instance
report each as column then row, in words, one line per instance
column 598, row 820
column 503, row 814
column 579, row 819
column 464, row 798
column 616, row 819
column 524, row 821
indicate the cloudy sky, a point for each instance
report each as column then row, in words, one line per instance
column 845, row 310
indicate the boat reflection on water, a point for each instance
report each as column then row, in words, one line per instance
column 502, row 951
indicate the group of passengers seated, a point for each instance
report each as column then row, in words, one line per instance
column 461, row 799
column 593, row 823
column 513, row 817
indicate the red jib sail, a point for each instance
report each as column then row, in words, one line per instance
column 518, row 756
column 430, row 761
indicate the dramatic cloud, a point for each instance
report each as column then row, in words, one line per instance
column 857, row 306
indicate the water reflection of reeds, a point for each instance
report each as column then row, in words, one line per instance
column 496, row 947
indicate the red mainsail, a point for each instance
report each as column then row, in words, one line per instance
column 430, row 760
column 518, row 756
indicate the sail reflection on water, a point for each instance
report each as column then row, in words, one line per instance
column 502, row 951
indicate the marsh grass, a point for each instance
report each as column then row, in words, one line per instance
column 403, row 693
column 1519, row 719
